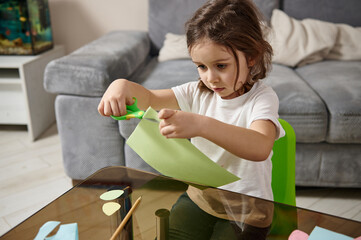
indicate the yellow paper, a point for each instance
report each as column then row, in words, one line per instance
column 177, row 158
column 111, row 195
column 110, row 208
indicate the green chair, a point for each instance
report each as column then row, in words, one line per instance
column 283, row 184
column 284, row 166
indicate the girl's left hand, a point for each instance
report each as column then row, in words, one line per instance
column 179, row 124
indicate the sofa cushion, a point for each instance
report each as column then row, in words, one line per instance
column 339, row 85
column 335, row 11
column 298, row 43
column 174, row 47
column 170, row 16
column 329, row 165
column 299, row 104
column 167, row 74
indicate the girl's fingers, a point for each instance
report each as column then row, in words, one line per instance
column 112, row 107
column 101, row 108
column 166, row 113
column 122, row 105
column 130, row 101
column 107, row 109
column 122, row 108
column 115, row 109
column 166, row 131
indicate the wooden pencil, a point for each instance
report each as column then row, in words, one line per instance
column 125, row 220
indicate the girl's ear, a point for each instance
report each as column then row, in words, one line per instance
column 251, row 62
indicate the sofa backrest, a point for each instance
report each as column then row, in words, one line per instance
column 335, row 11
column 170, row 15
column 166, row 16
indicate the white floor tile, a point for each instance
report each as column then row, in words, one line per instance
column 4, row 226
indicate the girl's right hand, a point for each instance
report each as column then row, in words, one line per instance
column 115, row 99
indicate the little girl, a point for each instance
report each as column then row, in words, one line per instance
column 229, row 114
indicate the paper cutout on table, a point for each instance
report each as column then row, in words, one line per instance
column 111, row 195
column 46, row 229
column 319, row 233
column 298, row 235
column 177, row 158
column 65, row 232
column 110, row 208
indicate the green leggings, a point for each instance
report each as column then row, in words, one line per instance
column 187, row 222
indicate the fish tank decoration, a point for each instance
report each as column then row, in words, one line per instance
column 25, row 27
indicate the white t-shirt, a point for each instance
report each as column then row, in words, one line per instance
column 261, row 102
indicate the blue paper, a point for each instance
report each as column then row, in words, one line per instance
column 65, row 232
column 47, row 228
column 319, row 233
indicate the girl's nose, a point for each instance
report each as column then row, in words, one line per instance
column 212, row 77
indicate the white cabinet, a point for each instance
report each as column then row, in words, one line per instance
column 23, row 100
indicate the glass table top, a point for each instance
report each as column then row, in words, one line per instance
column 167, row 209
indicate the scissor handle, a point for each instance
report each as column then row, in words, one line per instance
column 133, row 107
column 132, row 112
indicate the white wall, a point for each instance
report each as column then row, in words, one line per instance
column 77, row 22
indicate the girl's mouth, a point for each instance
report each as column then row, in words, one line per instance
column 218, row 89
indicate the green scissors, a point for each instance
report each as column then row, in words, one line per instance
column 132, row 112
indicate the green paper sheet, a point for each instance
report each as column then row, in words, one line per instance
column 177, row 158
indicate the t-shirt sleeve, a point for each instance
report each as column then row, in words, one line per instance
column 184, row 94
column 266, row 108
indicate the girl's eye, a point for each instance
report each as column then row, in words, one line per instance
column 221, row 66
column 202, row 67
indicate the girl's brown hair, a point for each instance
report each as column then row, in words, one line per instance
column 235, row 24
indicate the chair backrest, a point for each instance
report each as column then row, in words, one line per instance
column 283, row 184
column 284, row 166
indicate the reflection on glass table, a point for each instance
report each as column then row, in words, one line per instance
column 172, row 209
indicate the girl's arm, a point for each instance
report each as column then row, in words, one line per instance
column 253, row 144
column 121, row 92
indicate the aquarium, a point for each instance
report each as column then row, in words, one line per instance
column 25, row 27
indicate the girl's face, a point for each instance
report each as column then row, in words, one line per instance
column 217, row 68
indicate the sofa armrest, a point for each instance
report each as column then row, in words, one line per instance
column 89, row 70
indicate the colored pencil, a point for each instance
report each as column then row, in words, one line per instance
column 125, row 220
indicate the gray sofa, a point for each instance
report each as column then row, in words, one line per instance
column 322, row 101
